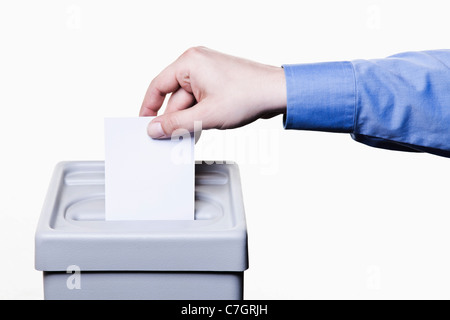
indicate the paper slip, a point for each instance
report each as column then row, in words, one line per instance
column 147, row 179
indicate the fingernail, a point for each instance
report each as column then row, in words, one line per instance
column 155, row 130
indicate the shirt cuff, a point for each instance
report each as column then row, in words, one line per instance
column 320, row 96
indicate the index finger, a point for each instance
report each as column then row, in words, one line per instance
column 164, row 83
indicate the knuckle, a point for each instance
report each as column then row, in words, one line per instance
column 153, row 83
column 153, row 89
column 194, row 52
column 172, row 123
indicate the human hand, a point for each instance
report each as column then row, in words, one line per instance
column 219, row 90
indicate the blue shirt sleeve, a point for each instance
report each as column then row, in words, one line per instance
column 401, row 102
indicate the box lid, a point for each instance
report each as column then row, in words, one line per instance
column 72, row 229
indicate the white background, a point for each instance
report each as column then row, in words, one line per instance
column 327, row 217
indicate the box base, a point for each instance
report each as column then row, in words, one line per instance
column 100, row 285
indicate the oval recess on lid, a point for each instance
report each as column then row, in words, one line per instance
column 93, row 209
column 98, row 178
column 210, row 178
column 84, row 178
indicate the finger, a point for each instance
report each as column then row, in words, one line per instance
column 179, row 100
column 166, row 82
column 190, row 119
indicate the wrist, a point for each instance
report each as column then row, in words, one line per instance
column 274, row 95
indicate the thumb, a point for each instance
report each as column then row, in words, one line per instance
column 191, row 119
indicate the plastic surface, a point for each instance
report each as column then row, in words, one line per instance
column 146, row 286
column 72, row 229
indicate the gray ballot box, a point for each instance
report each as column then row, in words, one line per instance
column 82, row 256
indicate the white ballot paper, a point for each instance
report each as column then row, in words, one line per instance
column 147, row 179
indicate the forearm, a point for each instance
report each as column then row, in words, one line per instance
column 401, row 102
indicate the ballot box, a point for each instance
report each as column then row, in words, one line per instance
column 82, row 256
